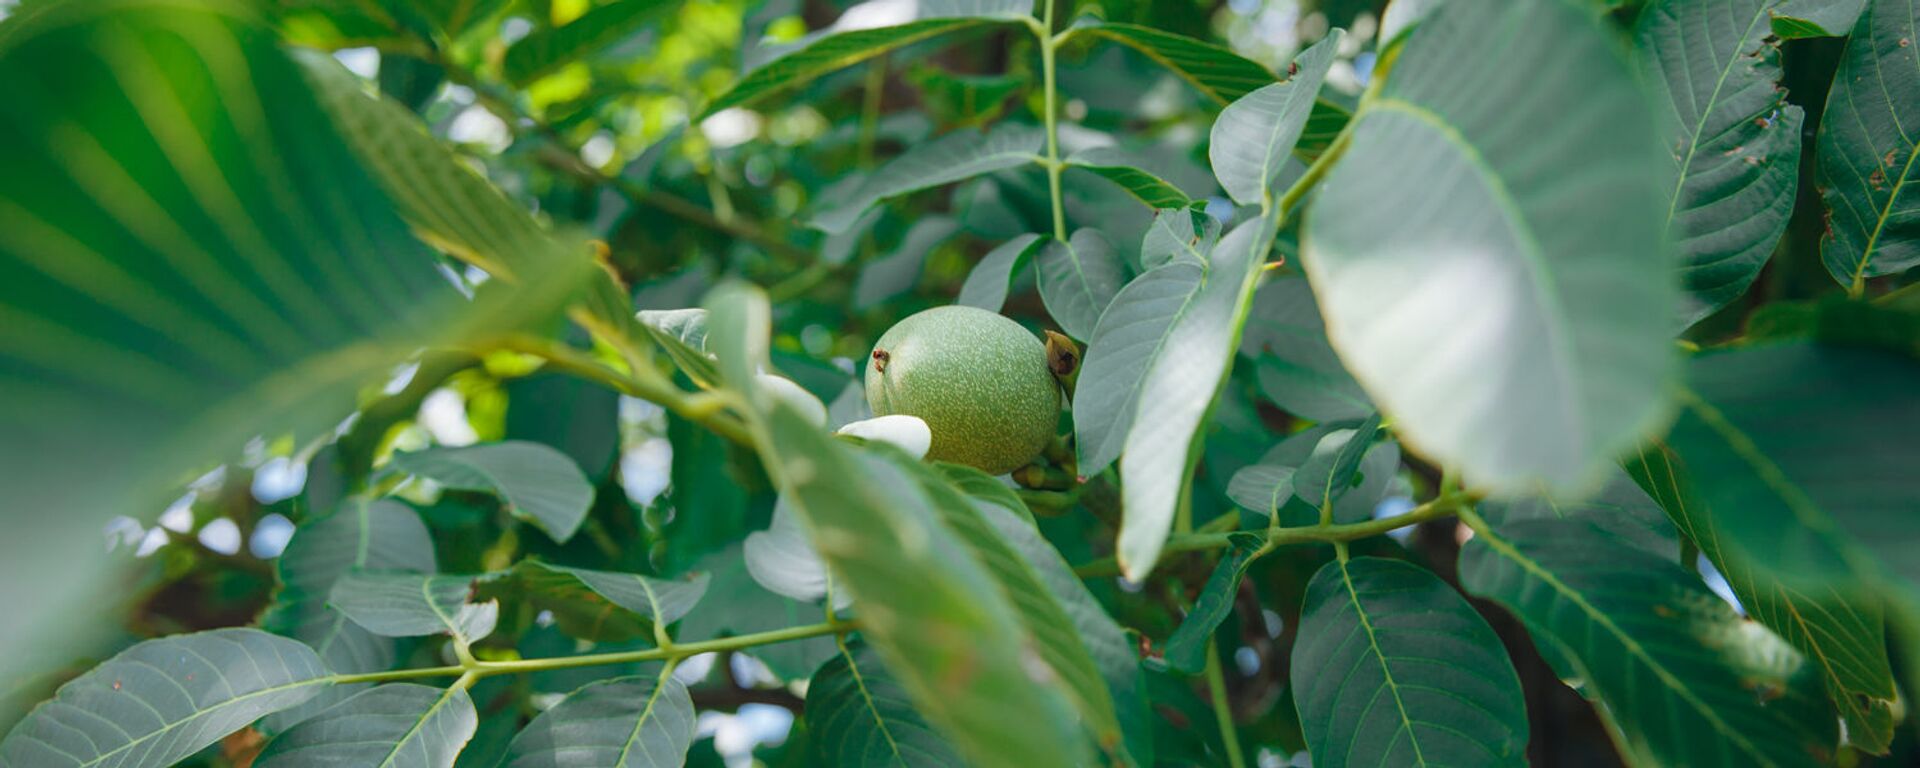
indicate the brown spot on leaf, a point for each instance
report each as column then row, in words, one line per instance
column 1888, row 160
column 1877, row 180
column 1664, row 611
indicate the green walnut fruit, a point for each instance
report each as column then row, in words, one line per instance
column 979, row 381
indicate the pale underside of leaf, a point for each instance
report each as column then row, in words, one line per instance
column 957, row 156
column 163, row 700
column 1509, row 330
column 987, row 285
column 1131, row 334
column 1157, row 459
column 400, row 725
column 627, row 722
column 1077, row 280
column 1252, row 141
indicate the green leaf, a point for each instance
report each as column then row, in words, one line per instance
column 859, row 716
column 1329, row 472
column 1620, row 508
column 1865, row 154
column 662, row 601
column 853, row 39
column 682, row 334
column 540, row 485
column 448, row 203
column 451, row 17
column 1254, row 137
column 1055, row 637
column 1735, row 141
column 740, row 606
column 1795, row 451
column 935, row 615
column 1684, row 679
column 1265, row 487
column 1554, row 348
column 398, row 724
column 1269, row 485
column 1401, row 18
column 410, row 604
column 957, row 156
column 739, row 323
column 190, row 257
column 984, row 487
column 1132, row 333
column 896, row 273
column 1218, row 74
column 547, row 49
column 364, row 535
column 577, row 417
column 1187, row 646
column 1392, row 667
column 1113, row 652
column 1157, row 461
column 782, row 559
column 1125, row 169
column 1174, row 238
column 1815, row 18
column 1299, row 371
column 987, row 285
column 163, row 700
column 1077, row 279
column 334, row 24
column 1845, row 636
column 628, row 722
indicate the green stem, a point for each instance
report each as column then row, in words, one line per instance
column 653, row 388
column 1043, row 31
column 1279, row 537
column 477, row 669
column 1222, row 708
column 1314, row 174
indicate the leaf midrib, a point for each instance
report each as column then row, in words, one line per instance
column 202, row 714
column 860, row 682
column 1559, row 335
column 1131, row 405
column 413, row 730
column 1772, row 475
column 1880, row 222
column 1713, row 101
column 1386, row 671
column 1627, row 642
column 639, row 724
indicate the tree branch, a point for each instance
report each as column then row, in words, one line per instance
column 1278, row 537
